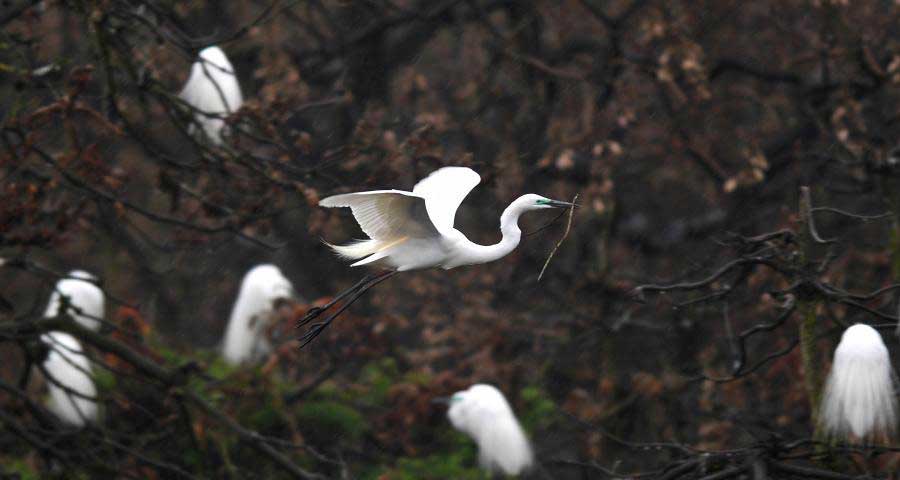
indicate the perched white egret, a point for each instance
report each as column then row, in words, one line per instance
column 412, row 230
column 69, row 381
column 72, row 390
column 245, row 338
column 85, row 299
column 483, row 413
column 213, row 90
column 859, row 399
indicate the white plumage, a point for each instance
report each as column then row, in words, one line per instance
column 483, row 413
column 245, row 337
column 859, row 396
column 86, row 300
column 213, row 90
column 68, row 370
column 71, row 386
column 412, row 230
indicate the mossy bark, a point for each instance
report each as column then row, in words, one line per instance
column 807, row 304
column 811, row 363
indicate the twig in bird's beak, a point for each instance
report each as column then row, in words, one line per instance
column 565, row 234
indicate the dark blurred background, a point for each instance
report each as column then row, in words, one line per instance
column 686, row 128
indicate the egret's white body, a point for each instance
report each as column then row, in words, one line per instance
column 245, row 337
column 213, row 90
column 86, row 300
column 413, row 230
column 70, row 382
column 67, row 368
column 483, row 413
column 859, row 396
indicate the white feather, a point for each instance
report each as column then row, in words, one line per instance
column 69, row 380
column 387, row 215
column 444, row 190
column 483, row 413
column 356, row 249
column 213, row 90
column 86, row 300
column 245, row 336
column 859, row 395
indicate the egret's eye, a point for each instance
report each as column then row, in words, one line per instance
column 456, row 398
column 542, row 202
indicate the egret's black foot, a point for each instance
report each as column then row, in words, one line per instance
column 354, row 292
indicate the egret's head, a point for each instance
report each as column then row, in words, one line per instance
column 533, row 201
column 469, row 408
column 268, row 282
column 215, row 57
column 81, row 274
column 460, row 412
column 86, row 299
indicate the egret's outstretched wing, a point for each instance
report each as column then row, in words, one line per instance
column 387, row 214
column 444, row 190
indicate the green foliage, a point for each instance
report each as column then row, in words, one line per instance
column 417, row 377
column 458, row 463
column 330, row 421
column 539, row 409
column 435, row 467
column 105, row 380
column 379, row 376
column 218, row 368
column 168, row 354
column 266, row 417
column 21, row 469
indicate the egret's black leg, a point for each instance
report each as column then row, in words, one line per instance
column 354, row 292
column 314, row 312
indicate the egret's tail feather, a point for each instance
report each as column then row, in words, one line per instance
column 368, row 250
column 357, row 249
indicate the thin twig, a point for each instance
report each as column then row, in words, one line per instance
column 857, row 216
column 561, row 240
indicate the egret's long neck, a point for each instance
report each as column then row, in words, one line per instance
column 509, row 227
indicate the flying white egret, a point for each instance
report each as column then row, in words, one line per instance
column 69, row 380
column 213, row 90
column 245, row 337
column 859, row 401
column 85, row 299
column 413, row 230
column 483, row 413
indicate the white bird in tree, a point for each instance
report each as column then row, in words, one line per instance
column 67, row 368
column 483, row 413
column 859, row 401
column 85, row 299
column 213, row 91
column 245, row 338
column 69, row 380
column 414, row 230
